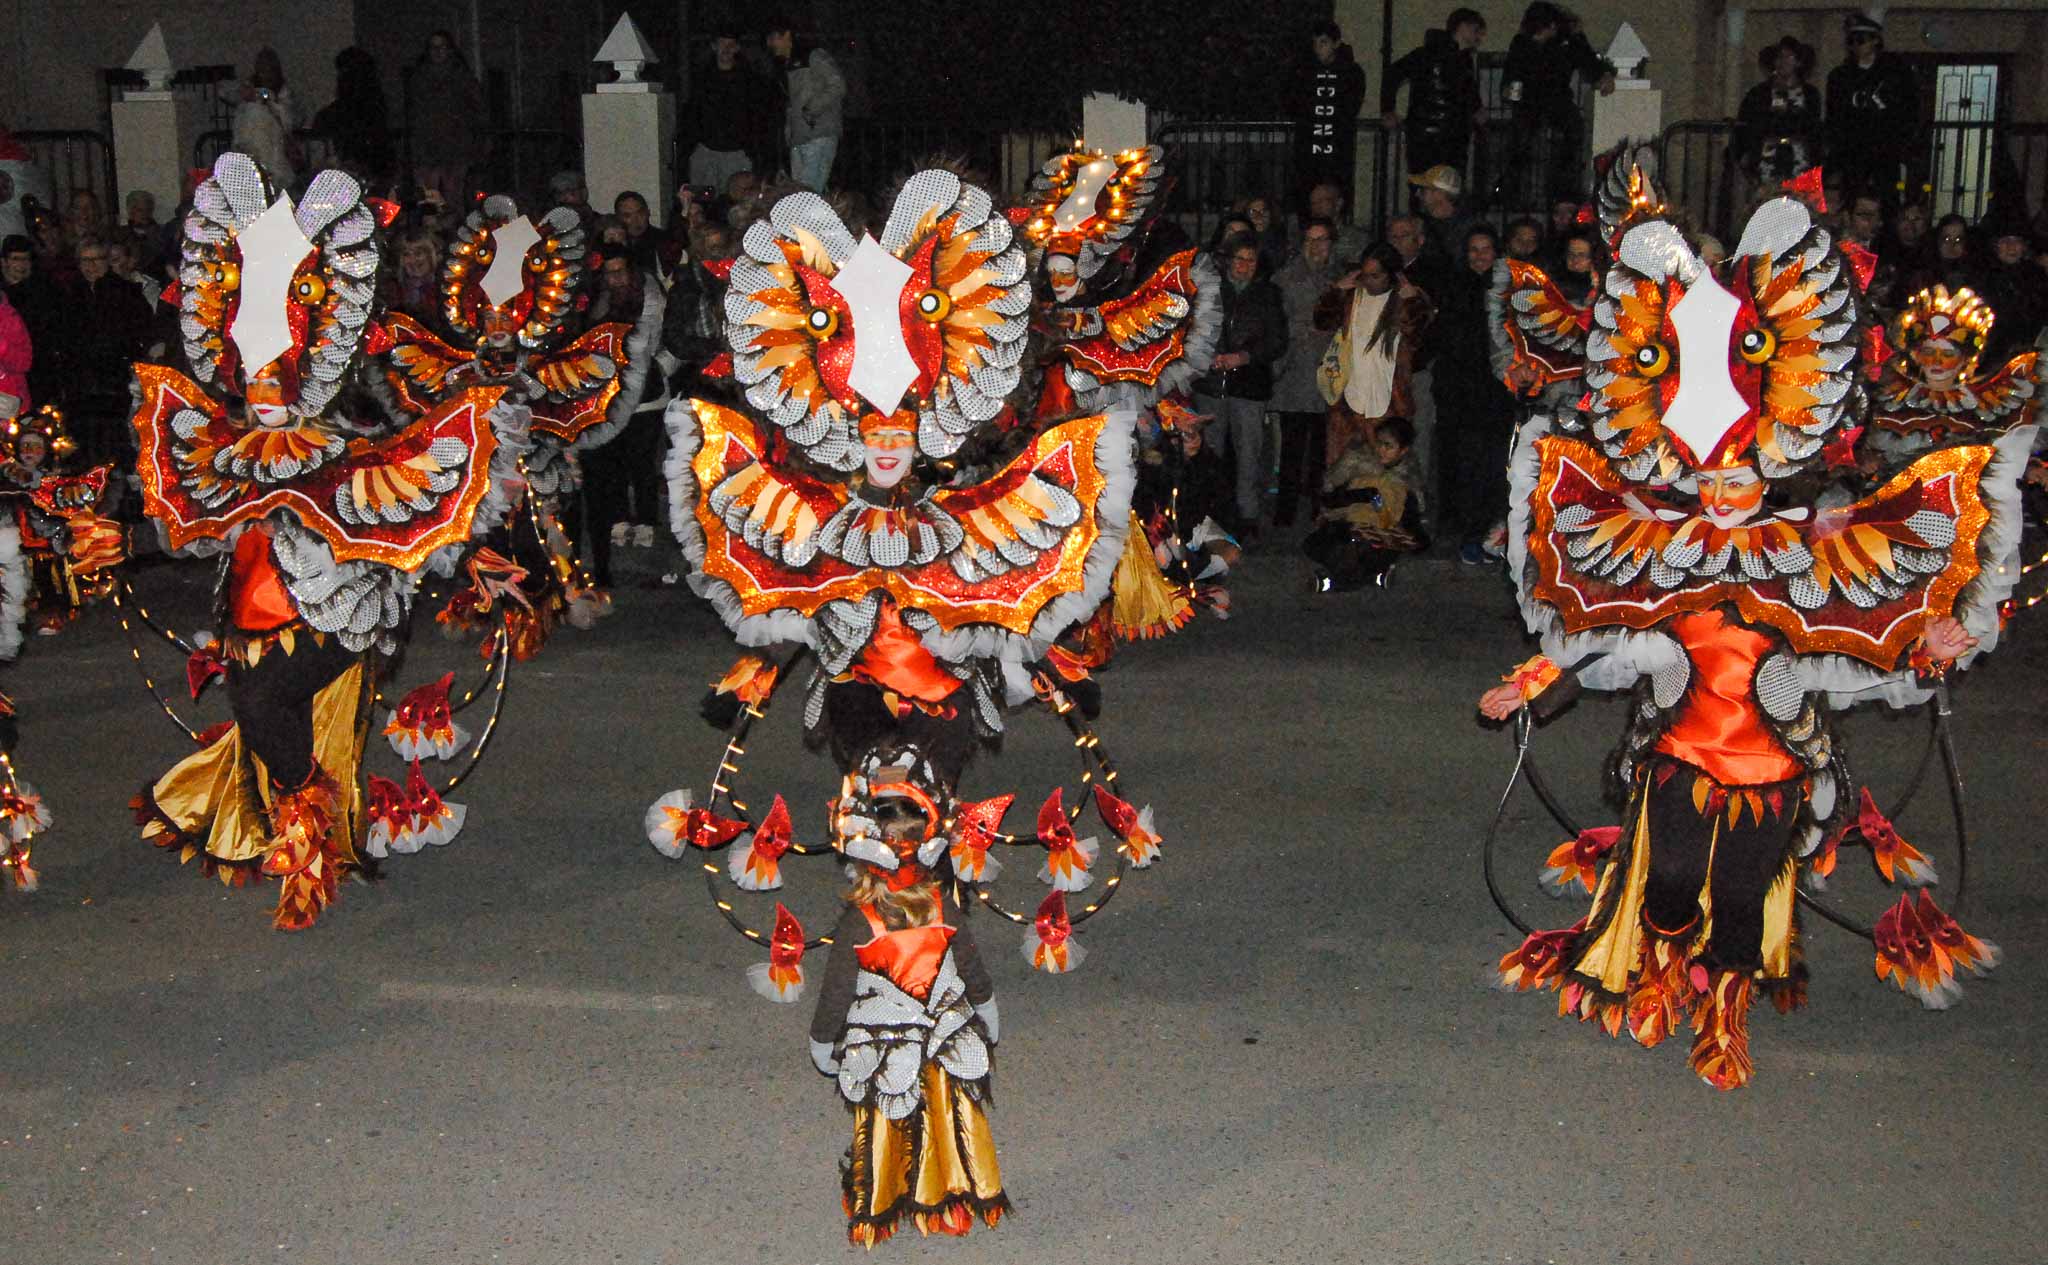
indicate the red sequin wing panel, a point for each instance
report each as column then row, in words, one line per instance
column 419, row 364
column 1593, row 539
column 756, row 517
column 1546, row 330
column 1884, row 566
column 1027, row 535
column 190, row 498
column 580, row 379
column 68, row 494
column 1145, row 331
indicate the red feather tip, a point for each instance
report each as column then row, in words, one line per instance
column 384, row 209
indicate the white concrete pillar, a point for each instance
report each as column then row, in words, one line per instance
column 629, row 128
column 1112, row 124
column 1634, row 110
column 148, row 136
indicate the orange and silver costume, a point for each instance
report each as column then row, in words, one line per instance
column 832, row 523
column 1666, row 540
column 1934, row 389
column 323, row 523
column 509, row 295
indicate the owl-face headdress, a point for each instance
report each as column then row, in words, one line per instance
column 509, row 281
column 1086, row 206
column 925, row 326
column 276, row 296
column 1945, row 333
column 1695, row 369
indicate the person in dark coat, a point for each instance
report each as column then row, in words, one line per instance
column 1239, row 383
column 1329, row 92
column 109, row 331
column 1873, row 114
column 357, row 123
column 1778, row 127
column 1474, row 412
column 729, row 102
column 2015, row 287
column 40, row 304
column 1536, row 83
column 1443, row 93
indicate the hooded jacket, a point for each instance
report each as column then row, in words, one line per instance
column 1443, row 87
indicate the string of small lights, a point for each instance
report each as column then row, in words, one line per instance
column 1095, row 762
column 121, row 609
column 502, row 656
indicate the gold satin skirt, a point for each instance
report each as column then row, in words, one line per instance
column 217, row 800
column 937, row 1165
column 1143, row 603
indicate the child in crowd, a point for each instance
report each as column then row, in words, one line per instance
column 1372, row 510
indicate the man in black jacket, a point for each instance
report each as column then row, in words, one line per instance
column 1548, row 52
column 727, row 103
column 1332, row 89
column 1443, row 93
column 1873, row 114
column 1240, row 380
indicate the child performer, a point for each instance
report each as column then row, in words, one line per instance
column 906, row 1017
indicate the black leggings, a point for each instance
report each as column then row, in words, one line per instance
column 1746, row 859
column 273, row 703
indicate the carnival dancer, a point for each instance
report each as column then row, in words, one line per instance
column 1933, row 388
column 53, row 514
column 511, row 290
column 906, row 1021
column 1128, row 316
column 829, row 528
column 1667, row 538
column 324, row 521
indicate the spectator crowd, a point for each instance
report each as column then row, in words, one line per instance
column 1351, row 410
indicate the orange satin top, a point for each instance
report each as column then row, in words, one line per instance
column 258, row 601
column 896, row 661
column 910, row 956
column 1718, row 727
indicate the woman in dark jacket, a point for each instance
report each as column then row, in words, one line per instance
column 1240, row 379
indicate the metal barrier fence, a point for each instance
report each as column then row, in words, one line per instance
column 1969, row 168
column 74, row 159
column 519, row 159
column 873, row 153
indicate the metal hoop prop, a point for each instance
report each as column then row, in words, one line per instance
column 1095, row 761
column 1941, row 737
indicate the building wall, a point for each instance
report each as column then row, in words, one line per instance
column 52, row 51
column 1703, row 73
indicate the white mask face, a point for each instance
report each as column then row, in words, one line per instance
column 886, row 454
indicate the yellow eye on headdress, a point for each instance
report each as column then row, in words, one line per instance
column 934, row 305
column 1757, row 345
column 227, row 276
column 823, row 322
column 308, row 288
column 1652, row 359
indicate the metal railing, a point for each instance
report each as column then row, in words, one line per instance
column 873, row 153
column 519, row 160
column 1968, row 167
column 74, row 159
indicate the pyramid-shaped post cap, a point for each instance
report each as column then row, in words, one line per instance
column 1627, row 52
column 152, row 58
column 626, row 44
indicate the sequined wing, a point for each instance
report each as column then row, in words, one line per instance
column 1143, row 332
column 580, row 381
column 392, row 501
column 420, row 367
column 1543, row 331
column 1862, row 580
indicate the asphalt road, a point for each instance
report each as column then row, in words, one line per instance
column 537, row 1044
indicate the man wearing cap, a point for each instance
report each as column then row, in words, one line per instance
column 1873, row 113
column 1443, row 220
column 1443, row 93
